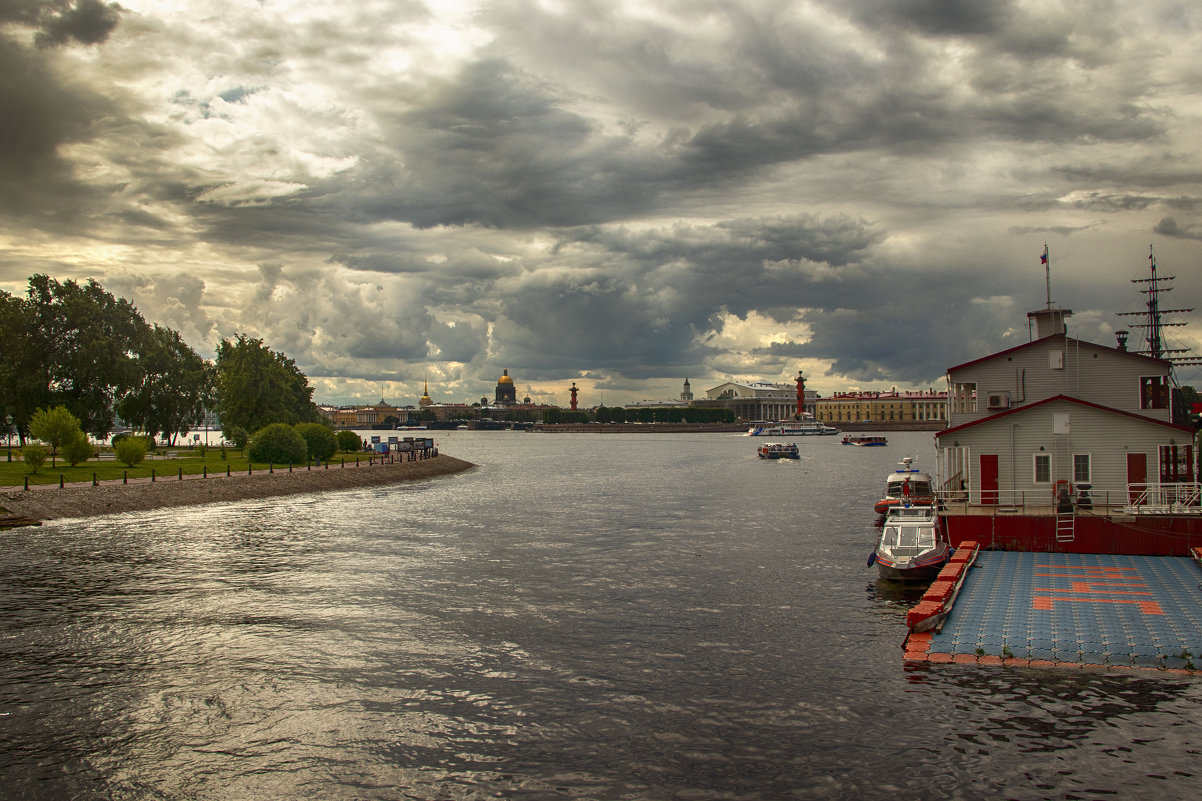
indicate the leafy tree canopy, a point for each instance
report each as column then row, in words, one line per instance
column 256, row 387
column 174, row 387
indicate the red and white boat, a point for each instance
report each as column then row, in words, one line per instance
column 906, row 485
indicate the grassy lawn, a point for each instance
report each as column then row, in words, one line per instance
column 166, row 464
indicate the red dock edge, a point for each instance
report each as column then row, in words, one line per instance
column 936, row 604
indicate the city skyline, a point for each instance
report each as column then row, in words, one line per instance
column 619, row 195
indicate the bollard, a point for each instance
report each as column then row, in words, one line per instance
column 356, row 461
column 60, row 480
column 227, row 471
column 308, row 465
column 27, row 483
column 270, row 467
column 327, row 465
column 344, row 461
column 94, row 481
column 181, row 474
column 290, row 467
column 204, row 471
column 250, row 469
column 124, row 476
column 152, row 475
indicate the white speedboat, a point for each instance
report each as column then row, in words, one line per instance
column 906, row 484
column 912, row 546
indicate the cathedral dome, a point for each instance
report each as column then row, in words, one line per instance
column 505, row 379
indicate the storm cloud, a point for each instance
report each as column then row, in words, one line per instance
column 617, row 194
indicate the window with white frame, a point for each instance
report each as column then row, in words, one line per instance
column 1082, row 468
column 1043, row 468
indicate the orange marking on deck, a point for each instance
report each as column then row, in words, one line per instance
column 1093, row 586
column 1045, row 602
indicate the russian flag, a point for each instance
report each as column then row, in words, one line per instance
column 1043, row 259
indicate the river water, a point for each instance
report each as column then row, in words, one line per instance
column 582, row 617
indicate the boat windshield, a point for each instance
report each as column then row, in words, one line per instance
column 916, row 488
column 909, row 540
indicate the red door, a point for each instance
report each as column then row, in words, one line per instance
column 989, row 479
column 1137, row 473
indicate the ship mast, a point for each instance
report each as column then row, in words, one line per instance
column 1155, row 324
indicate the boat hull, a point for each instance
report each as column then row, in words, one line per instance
column 1138, row 535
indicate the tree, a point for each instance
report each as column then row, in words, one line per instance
column 77, row 448
column 349, row 442
column 130, row 450
column 320, row 442
column 55, row 427
column 174, row 386
column 278, row 443
column 256, row 386
column 71, row 345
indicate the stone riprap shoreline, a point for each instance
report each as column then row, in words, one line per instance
column 52, row 502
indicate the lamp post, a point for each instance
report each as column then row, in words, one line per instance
column 8, row 418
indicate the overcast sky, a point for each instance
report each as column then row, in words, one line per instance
column 620, row 194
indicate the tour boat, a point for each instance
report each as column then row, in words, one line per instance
column 912, row 546
column 864, row 440
column 779, row 450
column 906, row 484
column 806, row 428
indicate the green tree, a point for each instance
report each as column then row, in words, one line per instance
column 256, row 386
column 130, row 450
column 174, row 386
column 55, row 427
column 77, row 449
column 278, row 443
column 349, row 442
column 34, row 455
column 320, row 442
column 67, row 344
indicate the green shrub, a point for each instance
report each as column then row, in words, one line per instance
column 320, row 442
column 35, row 454
column 118, row 437
column 130, row 451
column 202, row 449
column 349, row 442
column 77, row 449
column 278, row 443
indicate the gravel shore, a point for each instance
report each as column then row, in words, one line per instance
column 49, row 503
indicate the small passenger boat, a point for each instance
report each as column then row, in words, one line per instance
column 906, row 484
column 912, row 546
column 779, row 450
column 864, row 440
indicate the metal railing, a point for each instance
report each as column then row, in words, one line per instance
column 1140, row 498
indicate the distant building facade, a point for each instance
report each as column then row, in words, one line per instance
column 757, row 400
column 883, row 407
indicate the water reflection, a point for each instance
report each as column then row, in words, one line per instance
column 621, row 618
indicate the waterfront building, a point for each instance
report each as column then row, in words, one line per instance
column 757, row 400
column 883, row 407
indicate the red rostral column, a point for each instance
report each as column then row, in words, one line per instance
column 573, row 396
column 801, row 395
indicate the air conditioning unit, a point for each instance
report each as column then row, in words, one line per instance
column 999, row 400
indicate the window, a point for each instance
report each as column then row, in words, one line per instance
column 1082, row 471
column 1153, row 392
column 1043, row 468
column 964, row 398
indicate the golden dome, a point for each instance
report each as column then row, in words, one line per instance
column 505, row 379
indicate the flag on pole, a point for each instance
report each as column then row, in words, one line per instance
column 1043, row 259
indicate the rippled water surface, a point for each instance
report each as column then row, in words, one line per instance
column 581, row 617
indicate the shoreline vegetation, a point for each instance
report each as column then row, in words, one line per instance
column 39, row 503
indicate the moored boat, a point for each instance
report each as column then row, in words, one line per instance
column 779, row 450
column 864, row 440
column 906, row 484
column 912, row 545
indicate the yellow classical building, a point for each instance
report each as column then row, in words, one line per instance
column 882, row 407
